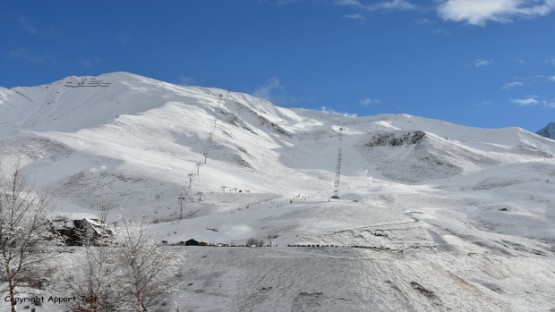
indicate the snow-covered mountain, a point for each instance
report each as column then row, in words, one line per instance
column 451, row 217
column 548, row 131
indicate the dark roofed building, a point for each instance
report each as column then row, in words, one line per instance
column 192, row 242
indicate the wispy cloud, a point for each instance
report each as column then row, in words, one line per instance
column 30, row 27
column 422, row 21
column 89, row 62
column 356, row 17
column 328, row 110
column 350, row 3
column 440, row 31
column 530, row 101
column 369, row 101
column 269, row 90
column 124, row 38
column 481, row 62
column 549, row 104
column 380, row 6
column 480, row 12
column 27, row 26
column 185, row 80
column 273, row 90
column 484, row 103
column 472, row 12
column 530, row 81
column 28, row 56
column 279, row 2
column 396, row 5
column 512, row 85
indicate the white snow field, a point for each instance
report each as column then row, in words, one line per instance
column 432, row 216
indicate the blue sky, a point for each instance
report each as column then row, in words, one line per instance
column 484, row 63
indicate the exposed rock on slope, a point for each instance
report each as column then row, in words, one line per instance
column 413, row 156
column 396, row 138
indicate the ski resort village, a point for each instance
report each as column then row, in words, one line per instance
column 124, row 193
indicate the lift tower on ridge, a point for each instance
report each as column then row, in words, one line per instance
column 338, row 167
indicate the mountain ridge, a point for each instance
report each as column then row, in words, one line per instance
column 548, row 131
column 422, row 194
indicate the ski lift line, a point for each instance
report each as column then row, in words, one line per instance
column 337, row 181
column 210, row 142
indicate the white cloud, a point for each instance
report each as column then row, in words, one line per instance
column 28, row 56
column 369, row 101
column 326, row 110
column 356, row 16
column 380, row 6
column 440, row 31
column 285, row 2
column 351, row 3
column 551, row 61
column 422, row 21
column 269, row 89
column 397, row 5
column 274, row 91
column 479, row 12
column 25, row 55
column 124, row 38
column 529, row 81
column 526, row 102
column 89, row 63
column 29, row 27
column 185, row 80
column 481, row 62
column 548, row 104
column 279, row 2
column 513, row 84
column 484, row 103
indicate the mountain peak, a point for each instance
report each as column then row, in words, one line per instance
column 548, row 131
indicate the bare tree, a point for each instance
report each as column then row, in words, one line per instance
column 150, row 268
column 130, row 273
column 96, row 275
column 24, row 228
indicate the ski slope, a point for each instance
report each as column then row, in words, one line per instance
column 443, row 216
